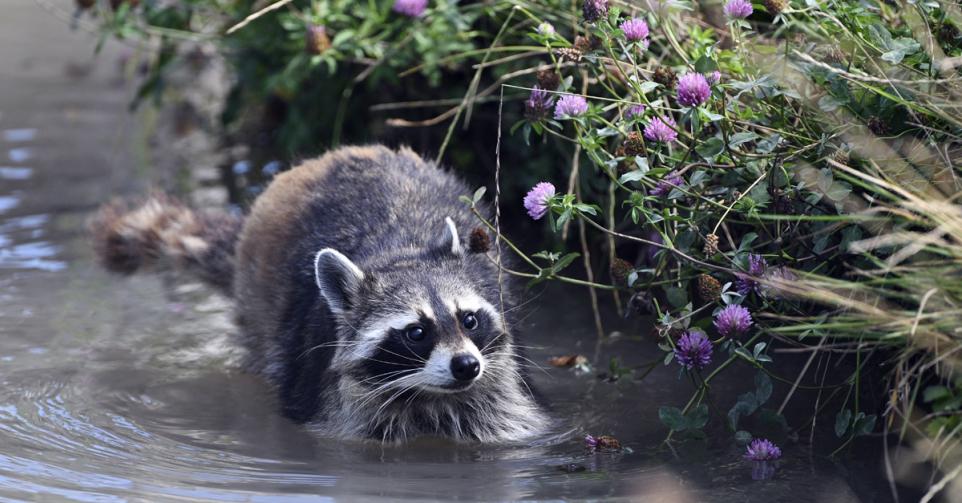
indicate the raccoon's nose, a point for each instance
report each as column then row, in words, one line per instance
column 465, row 367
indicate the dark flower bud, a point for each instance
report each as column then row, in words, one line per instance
column 620, row 269
column 548, row 79
column 634, row 144
column 775, row 7
column 316, row 39
column 709, row 288
column 478, row 241
column 594, row 10
column 665, row 76
column 877, row 125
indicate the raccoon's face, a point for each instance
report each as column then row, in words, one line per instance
column 423, row 323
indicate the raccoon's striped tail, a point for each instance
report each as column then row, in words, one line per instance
column 163, row 233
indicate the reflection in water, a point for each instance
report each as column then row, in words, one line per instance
column 20, row 154
column 12, row 173
column 19, row 135
column 8, row 203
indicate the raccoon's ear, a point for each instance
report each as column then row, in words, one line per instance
column 450, row 242
column 337, row 277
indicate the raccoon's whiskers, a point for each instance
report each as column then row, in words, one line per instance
column 385, row 377
column 515, row 355
column 332, row 344
column 502, row 368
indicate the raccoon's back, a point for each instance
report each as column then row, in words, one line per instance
column 362, row 201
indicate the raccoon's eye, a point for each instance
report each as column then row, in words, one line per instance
column 414, row 333
column 470, row 321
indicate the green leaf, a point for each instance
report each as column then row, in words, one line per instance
column 739, row 138
column 743, row 407
column 698, row 417
column 767, row 145
column 564, row 262
column 673, row 418
column 478, row 194
column 864, row 425
column 710, row 148
column 677, row 297
column 842, row 420
column 933, row 393
column 631, row 176
column 829, row 103
column 642, row 163
column 648, row 86
column 705, row 65
column 899, row 49
column 742, row 437
column 763, row 388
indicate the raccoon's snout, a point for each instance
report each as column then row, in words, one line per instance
column 465, row 367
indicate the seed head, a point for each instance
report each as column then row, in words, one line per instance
column 548, row 79
column 479, row 241
column 316, row 39
column 665, row 76
column 620, row 269
column 775, row 7
column 711, row 245
column 709, row 288
column 634, row 144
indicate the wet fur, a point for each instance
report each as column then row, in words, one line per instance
column 385, row 210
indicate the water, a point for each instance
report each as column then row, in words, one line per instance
column 117, row 389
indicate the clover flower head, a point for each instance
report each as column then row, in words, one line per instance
column 762, row 449
column 693, row 350
column 538, row 105
column 738, row 9
column 545, row 28
column 757, row 265
column 693, row 89
column 762, row 453
column 536, row 201
column 410, row 8
column 714, row 77
column 634, row 111
column 661, row 129
column 635, row 29
column 594, row 10
column 733, row 320
column 570, row 105
column 664, row 186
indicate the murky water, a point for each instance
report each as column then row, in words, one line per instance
column 124, row 389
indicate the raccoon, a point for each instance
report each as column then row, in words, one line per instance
column 355, row 297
